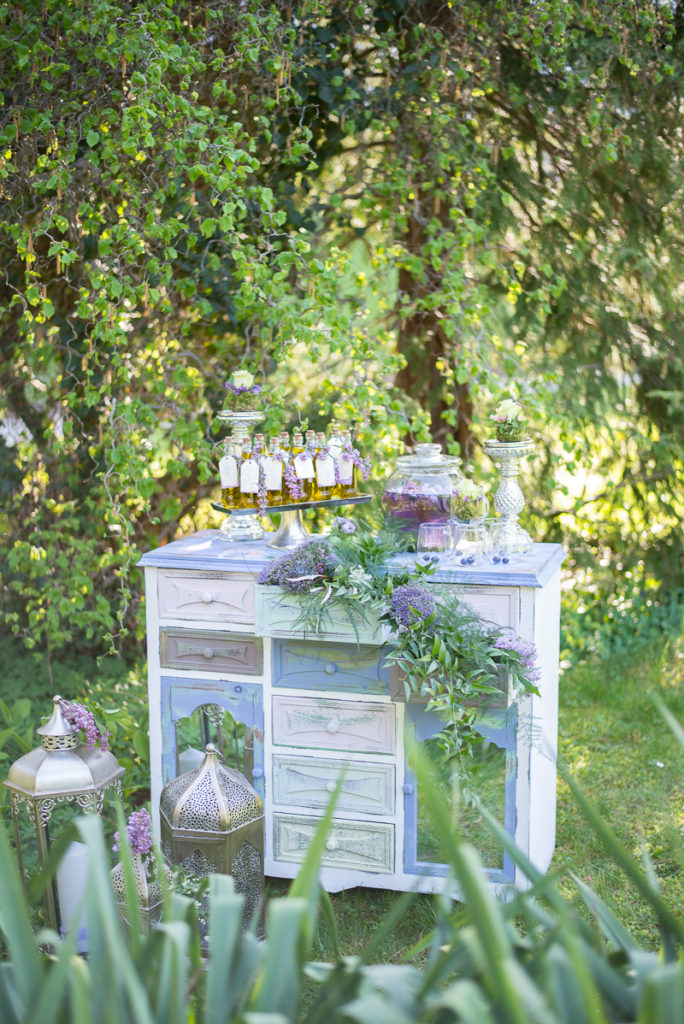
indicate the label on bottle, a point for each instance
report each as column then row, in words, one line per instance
column 228, row 471
column 304, row 467
column 325, row 471
column 249, row 477
column 345, row 469
column 335, row 447
column 273, row 472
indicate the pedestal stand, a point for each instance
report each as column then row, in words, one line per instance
column 292, row 530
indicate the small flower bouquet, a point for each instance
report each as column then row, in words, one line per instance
column 510, row 421
column 243, row 393
column 469, row 503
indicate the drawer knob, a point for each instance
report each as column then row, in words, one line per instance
column 408, row 788
column 257, row 773
column 330, row 786
column 333, row 726
column 331, row 844
column 207, row 597
column 208, row 652
column 330, row 668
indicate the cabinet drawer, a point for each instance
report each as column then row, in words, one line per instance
column 308, row 782
column 363, row 846
column 495, row 605
column 206, row 595
column 333, row 724
column 205, row 651
column 309, row 666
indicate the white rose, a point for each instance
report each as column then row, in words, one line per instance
column 509, row 410
column 468, row 489
column 242, row 379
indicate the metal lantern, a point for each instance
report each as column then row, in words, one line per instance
column 61, row 770
column 148, row 889
column 212, row 820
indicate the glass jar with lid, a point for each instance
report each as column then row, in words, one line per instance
column 420, row 488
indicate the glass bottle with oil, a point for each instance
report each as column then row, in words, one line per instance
column 325, row 470
column 229, row 476
column 249, row 476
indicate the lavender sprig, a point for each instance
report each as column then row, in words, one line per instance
column 139, row 832
column 80, row 717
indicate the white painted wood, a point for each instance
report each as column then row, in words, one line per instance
column 334, row 724
column 309, row 782
column 363, row 845
column 279, row 614
column 210, row 597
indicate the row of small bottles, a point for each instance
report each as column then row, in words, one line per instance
column 311, row 469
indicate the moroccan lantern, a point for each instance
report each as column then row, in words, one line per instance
column 61, row 770
column 212, row 820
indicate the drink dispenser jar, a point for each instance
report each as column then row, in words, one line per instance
column 420, row 488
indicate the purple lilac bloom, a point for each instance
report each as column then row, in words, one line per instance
column 525, row 650
column 81, row 718
column 299, row 570
column 344, row 525
column 139, row 832
column 411, row 603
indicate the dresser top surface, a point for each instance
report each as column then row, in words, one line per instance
column 208, row 551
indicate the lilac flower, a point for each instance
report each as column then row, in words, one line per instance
column 139, row 832
column 344, row 525
column 81, row 718
column 411, row 603
column 525, row 650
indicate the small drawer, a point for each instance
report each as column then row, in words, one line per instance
column 334, row 724
column 364, row 846
column 309, row 666
column 206, row 595
column 205, row 651
column 308, row 782
column 498, row 606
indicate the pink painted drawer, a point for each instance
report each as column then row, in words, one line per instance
column 334, row 724
column 208, row 651
column 211, row 596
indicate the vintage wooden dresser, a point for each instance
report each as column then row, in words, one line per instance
column 312, row 704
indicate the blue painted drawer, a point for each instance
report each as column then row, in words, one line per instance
column 304, row 665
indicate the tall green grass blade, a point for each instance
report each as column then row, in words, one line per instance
column 53, row 991
column 287, row 948
column 234, row 957
column 613, row 930
column 465, row 999
column 28, row 966
column 662, row 997
column 330, row 922
column 668, row 921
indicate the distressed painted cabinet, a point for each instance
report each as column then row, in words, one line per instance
column 314, row 704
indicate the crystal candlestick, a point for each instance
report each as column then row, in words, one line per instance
column 509, row 500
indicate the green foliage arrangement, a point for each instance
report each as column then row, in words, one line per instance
column 445, row 652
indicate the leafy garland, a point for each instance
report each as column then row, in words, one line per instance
column 446, row 652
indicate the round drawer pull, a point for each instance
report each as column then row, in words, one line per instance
column 208, row 652
column 330, row 668
column 331, row 844
column 257, row 773
column 330, row 786
column 207, row 597
column 333, row 726
column 408, row 788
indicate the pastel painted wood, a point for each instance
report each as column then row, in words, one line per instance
column 320, row 706
column 279, row 614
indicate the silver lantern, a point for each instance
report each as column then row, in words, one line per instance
column 212, row 820
column 148, row 888
column 61, row 770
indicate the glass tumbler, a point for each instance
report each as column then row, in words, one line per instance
column 435, row 539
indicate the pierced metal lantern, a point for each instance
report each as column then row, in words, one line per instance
column 61, row 770
column 148, row 888
column 212, row 820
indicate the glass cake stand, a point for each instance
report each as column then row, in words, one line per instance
column 292, row 530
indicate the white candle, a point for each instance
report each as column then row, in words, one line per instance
column 72, row 877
